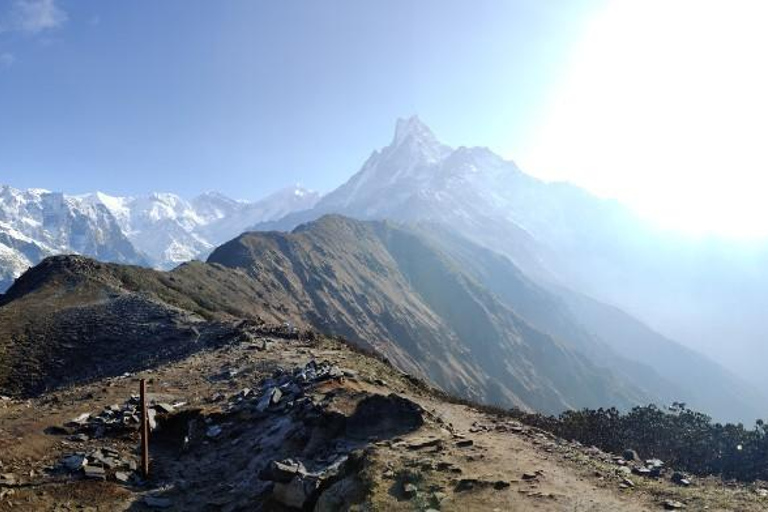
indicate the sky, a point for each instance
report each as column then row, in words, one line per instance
column 660, row 104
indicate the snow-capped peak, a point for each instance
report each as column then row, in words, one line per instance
column 412, row 128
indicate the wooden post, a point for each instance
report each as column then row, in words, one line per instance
column 144, row 429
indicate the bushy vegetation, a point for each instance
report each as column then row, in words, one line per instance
column 682, row 438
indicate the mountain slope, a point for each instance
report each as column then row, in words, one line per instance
column 698, row 291
column 380, row 285
column 607, row 335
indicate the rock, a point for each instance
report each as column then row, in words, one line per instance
column 530, row 476
column 464, row 443
column 122, row 477
column 420, row 444
column 641, row 471
column 213, row 432
column 271, row 397
column 763, row 493
column 673, row 505
column 680, row 479
column 82, row 419
column 466, row 484
column 410, row 490
column 500, row 484
column 151, row 413
column 94, row 472
column 164, row 408
column 627, row 483
column 283, row 471
column 630, row 455
column 157, row 502
column 448, row 466
column 437, row 498
column 623, row 471
column 74, row 462
column 79, row 438
column 7, row 479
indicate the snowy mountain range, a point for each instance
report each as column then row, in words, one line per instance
column 159, row 230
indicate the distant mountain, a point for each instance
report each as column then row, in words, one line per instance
column 161, row 230
column 171, row 230
column 37, row 223
column 698, row 291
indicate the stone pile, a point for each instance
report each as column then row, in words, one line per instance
column 285, row 389
column 117, row 418
column 101, row 463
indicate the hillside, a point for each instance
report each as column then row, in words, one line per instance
column 379, row 285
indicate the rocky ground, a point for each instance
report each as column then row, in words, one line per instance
column 273, row 423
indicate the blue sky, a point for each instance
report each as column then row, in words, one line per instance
column 246, row 96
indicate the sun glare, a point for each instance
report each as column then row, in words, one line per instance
column 664, row 105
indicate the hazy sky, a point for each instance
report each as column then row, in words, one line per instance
column 659, row 103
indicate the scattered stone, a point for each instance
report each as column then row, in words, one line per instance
column 464, row 443
column 271, row 397
column 7, row 479
column 410, row 490
column 530, row 476
column 74, row 462
column 626, row 483
column 673, row 505
column 763, row 493
column 680, row 479
column 122, row 477
column 500, row 484
column 94, row 472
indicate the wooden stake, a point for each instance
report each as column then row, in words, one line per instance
column 144, row 429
